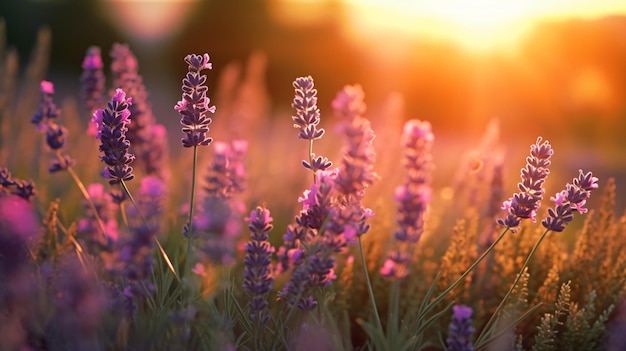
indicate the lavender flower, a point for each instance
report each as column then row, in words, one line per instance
column 45, row 119
column 257, row 272
column 218, row 222
column 194, row 104
column 307, row 114
column 148, row 139
column 297, row 290
column 525, row 203
column 227, row 173
column 307, row 119
column 92, row 79
column 412, row 197
column 155, row 152
column 461, row 330
column 24, row 189
column 356, row 171
column 573, row 198
column 19, row 228
column 124, row 65
column 47, row 108
column 106, row 209
column 112, row 126
column 152, row 193
column 348, row 218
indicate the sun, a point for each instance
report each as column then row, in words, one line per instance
column 475, row 24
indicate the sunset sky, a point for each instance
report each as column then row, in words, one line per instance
column 475, row 24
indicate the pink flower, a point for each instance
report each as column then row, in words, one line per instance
column 198, row 269
column 419, row 129
column 152, row 186
column 349, row 102
column 46, row 87
column 308, row 198
column 96, row 121
column 181, row 105
column 559, row 198
column 93, row 61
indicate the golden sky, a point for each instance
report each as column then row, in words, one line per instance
column 475, row 24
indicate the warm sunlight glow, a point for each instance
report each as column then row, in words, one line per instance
column 148, row 21
column 475, row 24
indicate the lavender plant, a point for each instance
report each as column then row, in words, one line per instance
column 194, row 108
column 108, row 291
column 461, row 330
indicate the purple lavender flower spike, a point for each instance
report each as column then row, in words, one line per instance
column 412, row 197
column 573, row 198
column 227, row 174
column 299, row 286
column 24, row 189
column 92, row 80
column 46, row 120
column 148, row 139
column 460, row 330
column 348, row 103
column 307, row 114
column 47, row 108
column 106, row 210
column 112, row 126
column 307, row 119
column 194, row 104
column 525, row 203
column 258, row 280
column 356, row 170
column 218, row 223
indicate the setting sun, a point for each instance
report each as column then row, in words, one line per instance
column 474, row 24
column 477, row 25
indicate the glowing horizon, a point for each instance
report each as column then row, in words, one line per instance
column 474, row 24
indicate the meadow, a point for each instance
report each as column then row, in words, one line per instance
column 316, row 232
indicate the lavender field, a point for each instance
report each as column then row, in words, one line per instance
column 239, row 229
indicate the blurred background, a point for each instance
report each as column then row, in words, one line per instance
column 551, row 68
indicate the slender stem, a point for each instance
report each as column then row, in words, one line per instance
column 369, row 288
column 311, row 158
column 463, row 276
column 495, row 316
column 156, row 240
column 393, row 315
column 191, row 208
column 85, row 193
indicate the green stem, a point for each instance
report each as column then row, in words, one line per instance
column 495, row 316
column 311, row 158
column 156, row 240
column 369, row 289
column 191, row 208
column 462, row 277
column 393, row 315
column 85, row 193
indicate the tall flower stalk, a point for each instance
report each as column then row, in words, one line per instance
column 258, row 279
column 307, row 119
column 355, row 175
column 522, row 205
column 46, row 119
column 567, row 201
column 460, row 330
column 112, row 127
column 194, row 109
